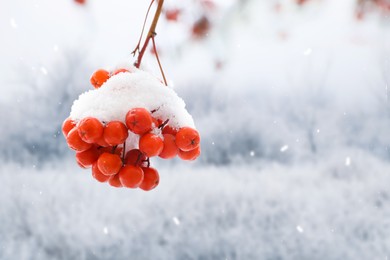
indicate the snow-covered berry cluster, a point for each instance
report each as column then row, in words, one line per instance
column 129, row 118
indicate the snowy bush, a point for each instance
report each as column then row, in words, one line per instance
column 40, row 101
column 326, row 210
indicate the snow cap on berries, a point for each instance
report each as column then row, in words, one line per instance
column 125, row 91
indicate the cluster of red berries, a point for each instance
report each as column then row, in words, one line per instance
column 102, row 145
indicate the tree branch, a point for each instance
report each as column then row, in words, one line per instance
column 151, row 33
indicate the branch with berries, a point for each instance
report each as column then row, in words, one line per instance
column 128, row 118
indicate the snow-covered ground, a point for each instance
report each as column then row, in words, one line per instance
column 328, row 210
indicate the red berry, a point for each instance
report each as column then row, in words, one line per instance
column 189, row 155
column 98, row 175
column 118, row 151
column 75, row 142
column 80, row 1
column 139, row 120
column 201, row 27
column 114, row 181
column 115, row 133
column 156, row 122
column 90, row 129
column 170, row 149
column 99, row 77
column 111, row 149
column 101, row 142
column 187, row 139
column 135, row 157
column 151, row 179
column 169, row 130
column 88, row 157
column 151, row 144
column 131, row 176
column 68, row 125
column 301, row 2
column 109, row 164
column 172, row 14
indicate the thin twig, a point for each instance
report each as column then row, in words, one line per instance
column 158, row 60
column 124, row 152
column 151, row 33
column 143, row 29
column 163, row 124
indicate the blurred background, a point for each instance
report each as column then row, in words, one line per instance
column 291, row 98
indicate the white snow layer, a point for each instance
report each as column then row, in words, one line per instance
column 125, row 91
column 307, row 211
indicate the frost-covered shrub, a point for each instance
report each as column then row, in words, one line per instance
column 302, row 211
column 34, row 113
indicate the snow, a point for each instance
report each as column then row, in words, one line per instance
column 311, row 79
column 348, row 161
column 268, row 211
column 13, row 23
column 284, row 148
column 135, row 89
column 299, row 229
column 176, row 221
column 268, row 79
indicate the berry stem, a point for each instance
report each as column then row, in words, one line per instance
column 151, row 33
column 158, row 61
column 163, row 124
column 143, row 29
column 148, row 161
column 124, row 152
column 154, row 110
column 138, row 159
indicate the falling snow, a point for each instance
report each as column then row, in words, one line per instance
column 176, row 221
column 13, row 23
column 307, row 52
column 299, row 229
column 284, row 148
column 348, row 161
